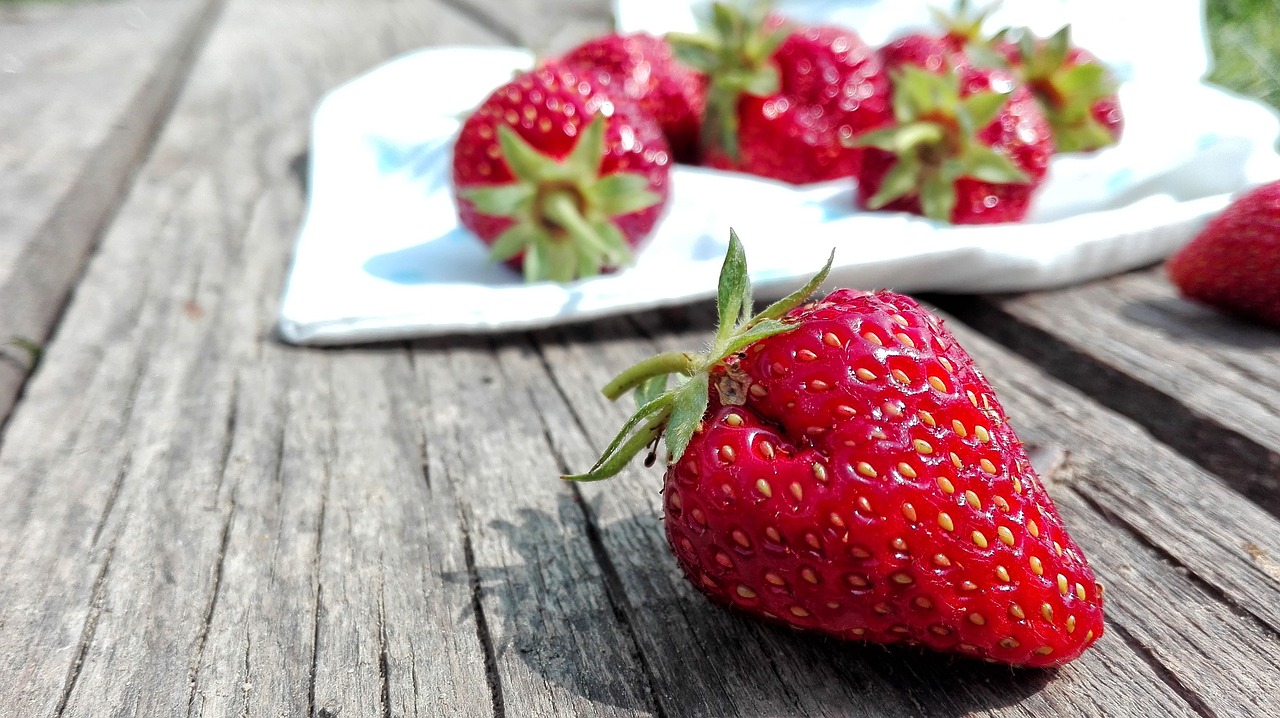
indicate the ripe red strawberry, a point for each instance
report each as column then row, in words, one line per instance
column 1076, row 90
column 961, row 33
column 782, row 99
column 1234, row 263
column 844, row 467
column 641, row 68
column 560, row 178
column 969, row 146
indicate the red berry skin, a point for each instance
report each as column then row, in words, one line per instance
column 831, row 87
column 1020, row 132
column 641, row 68
column 1234, row 263
column 871, row 488
column 930, row 52
column 548, row 107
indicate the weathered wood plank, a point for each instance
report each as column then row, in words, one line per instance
column 545, row 26
column 1201, row 382
column 85, row 89
column 199, row 514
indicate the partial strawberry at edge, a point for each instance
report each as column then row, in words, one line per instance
column 1234, row 262
column 561, row 179
column 782, row 98
column 1078, row 92
column 843, row 467
column 641, row 68
column 969, row 146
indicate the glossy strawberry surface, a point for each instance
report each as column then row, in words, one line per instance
column 641, row 68
column 1234, row 263
column 831, row 87
column 549, row 107
column 870, row 487
column 1019, row 131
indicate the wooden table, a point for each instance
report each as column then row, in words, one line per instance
column 196, row 519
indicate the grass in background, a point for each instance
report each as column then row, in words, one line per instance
column 1245, row 37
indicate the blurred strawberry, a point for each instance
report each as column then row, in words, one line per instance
column 968, row 146
column 1234, row 263
column 781, row 99
column 1077, row 91
column 559, row 178
column 642, row 68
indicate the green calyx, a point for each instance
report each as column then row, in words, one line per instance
column 676, row 411
column 563, row 209
column 964, row 22
column 1067, row 91
column 736, row 55
column 935, row 139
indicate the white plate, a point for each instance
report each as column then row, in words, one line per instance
column 380, row 254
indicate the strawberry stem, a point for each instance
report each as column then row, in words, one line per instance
column 660, row 365
column 677, row 411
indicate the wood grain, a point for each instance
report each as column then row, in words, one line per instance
column 85, row 87
column 200, row 520
column 1200, row 381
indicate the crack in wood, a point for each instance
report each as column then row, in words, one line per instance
column 1200, row 582
column 384, row 670
column 1144, row 652
column 86, row 632
column 211, row 607
column 477, row 609
column 116, row 485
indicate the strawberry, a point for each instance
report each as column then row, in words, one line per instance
column 781, row 99
column 641, row 68
column 961, row 34
column 1076, row 90
column 558, row 177
column 1234, row 263
column 844, row 467
column 969, row 146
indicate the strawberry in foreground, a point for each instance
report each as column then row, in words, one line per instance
column 969, row 146
column 641, row 68
column 842, row 466
column 1234, row 263
column 560, row 178
column 1078, row 92
column 781, row 99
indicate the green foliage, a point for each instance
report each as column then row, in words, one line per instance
column 1246, row 46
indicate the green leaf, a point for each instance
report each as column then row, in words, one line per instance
column 535, row 260
column 512, row 242
column 759, row 330
column 618, row 251
column 762, row 82
column 687, row 410
column 612, row 462
column 988, row 165
column 1084, row 84
column 650, row 389
column 638, row 374
column 526, row 163
column 1057, row 47
column 584, row 159
column 901, row 180
column 733, row 287
column 622, row 193
column 700, row 52
column 796, row 298
column 981, row 108
column 507, row 200
column 915, row 134
column 884, row 139
column 562, row 261
column 937, row 198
